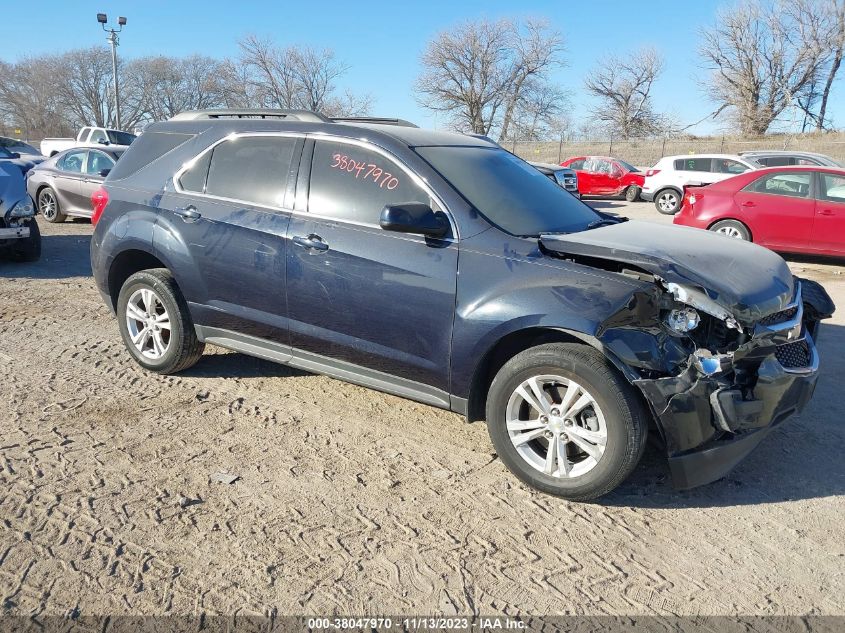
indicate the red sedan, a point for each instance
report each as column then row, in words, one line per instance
column 787, row 209
column 603, row 176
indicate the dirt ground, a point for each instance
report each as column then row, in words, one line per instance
column 350, row 501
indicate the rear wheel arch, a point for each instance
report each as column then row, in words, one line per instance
column 512, row 344
column 738, row 221
column 126, row 264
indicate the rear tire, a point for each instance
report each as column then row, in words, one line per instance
column 159, row 321
column 613, row 414
column 667, row 201
column 732, row 228
column 29, row 249
column 48, row 206
column 632, row 193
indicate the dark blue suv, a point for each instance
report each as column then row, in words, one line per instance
column 442, row 268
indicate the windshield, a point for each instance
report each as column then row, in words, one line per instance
column 626, row 166
column 509, row 192
column 14, row 145
column 120, row 138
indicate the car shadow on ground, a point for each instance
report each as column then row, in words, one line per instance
column 228, row 364
column 62, row 256
column 800, row 459
column 813, row 259
column 603, row 204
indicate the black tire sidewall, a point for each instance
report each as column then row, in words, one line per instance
column 29, row 249
column 147, row 280
column 59, row 217
column 606, row 395
column 632, row 193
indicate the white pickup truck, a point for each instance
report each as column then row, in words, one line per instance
column 88, row 137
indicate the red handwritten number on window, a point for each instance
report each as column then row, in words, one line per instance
column 373, row 173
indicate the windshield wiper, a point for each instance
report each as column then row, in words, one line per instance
column 600, row 222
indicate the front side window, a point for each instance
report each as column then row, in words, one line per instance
column 728, row 166
column 98, row 136
column 354, row 183
column 833, row 187
column 577, row 164
column 97, row 162
column 72, row 162
column 509, row 192
column 117, row 137
column 253, row 169
column 795, row 185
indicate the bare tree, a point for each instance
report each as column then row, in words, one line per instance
column 478, row 73
column 293, row 77
column 764, row 57
column 623, row 86
column 837, row 20
column 28, row 99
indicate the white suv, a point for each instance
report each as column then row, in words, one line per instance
column 665, row 182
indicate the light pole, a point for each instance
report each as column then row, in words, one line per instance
column 102, row 18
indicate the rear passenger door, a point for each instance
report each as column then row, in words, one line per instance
column 829, row 225
column 67, row 181
column 231, row 212
column 362, row 300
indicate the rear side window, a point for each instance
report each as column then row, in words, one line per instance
column 148, row 147
column 353, row 183
column 693, row 164
column 776, row 161
column 253, row 169
column 795, row 185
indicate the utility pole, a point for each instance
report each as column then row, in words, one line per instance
column 102, row 18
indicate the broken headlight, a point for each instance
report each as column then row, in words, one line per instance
column 683, row 320
column 22, row 209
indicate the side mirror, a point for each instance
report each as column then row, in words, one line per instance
column 103, row 141
column 105, row 172
column 414, row 217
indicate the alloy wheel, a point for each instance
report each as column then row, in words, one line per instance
column 148, row 323
column 47, row 205
column 667, row 202
column 730, row 231
column 556, row 426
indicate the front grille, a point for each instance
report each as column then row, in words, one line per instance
column 795, row 354
column 780, row 317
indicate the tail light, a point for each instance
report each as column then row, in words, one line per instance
column 652, row 172
column 690, row 199
column 99, row 200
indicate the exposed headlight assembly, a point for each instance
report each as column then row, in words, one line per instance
column 23, row 208
column 700, row 301
column 683, row 320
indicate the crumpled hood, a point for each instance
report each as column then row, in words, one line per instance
column 12, row 187
column 748, row 280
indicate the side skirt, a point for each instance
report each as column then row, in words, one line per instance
column 318, row 364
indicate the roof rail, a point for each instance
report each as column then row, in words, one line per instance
column 373, row 119
column 236, row 113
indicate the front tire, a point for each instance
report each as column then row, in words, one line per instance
column 564, row 421
column 48, row 206
column 155, row 323
column 632, row 193
column 29, row 249
column 667, row 201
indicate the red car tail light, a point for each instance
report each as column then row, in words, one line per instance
column 99, row 200
column 652, row 172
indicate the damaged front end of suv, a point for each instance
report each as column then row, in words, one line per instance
column 723, row 347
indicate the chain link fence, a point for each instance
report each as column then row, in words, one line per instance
column 646, row 152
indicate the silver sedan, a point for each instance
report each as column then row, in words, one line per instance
column 61, row 186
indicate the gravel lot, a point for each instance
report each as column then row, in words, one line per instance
column 350, row 501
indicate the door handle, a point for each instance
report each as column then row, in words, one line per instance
column 749, row 203
column 826, row 212
column 188, row 214
column 313, row 242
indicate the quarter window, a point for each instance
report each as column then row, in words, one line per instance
column 193, row 178
column 795, row 185
column 72, row 162
column 833, row 187
column 349, row 182
column 253, row 169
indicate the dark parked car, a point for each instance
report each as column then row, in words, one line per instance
column 19, row 235
column 62, row 186
column 565, row 177
column 783, row 158
column 442, row 268
column 22, row 162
